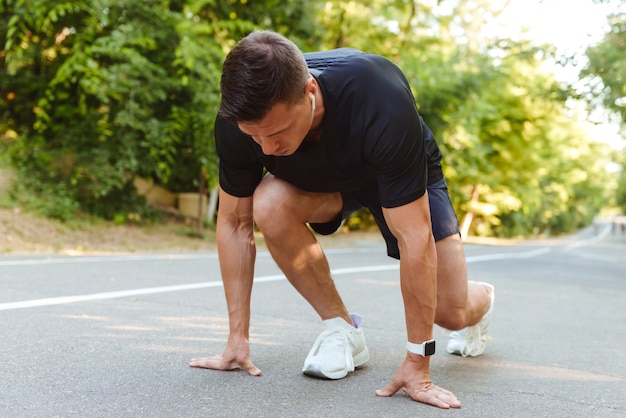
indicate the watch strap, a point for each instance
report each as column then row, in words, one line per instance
column 425, row 349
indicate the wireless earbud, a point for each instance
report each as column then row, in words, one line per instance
column 312, row 101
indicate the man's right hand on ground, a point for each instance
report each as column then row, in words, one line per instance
column 235, row 356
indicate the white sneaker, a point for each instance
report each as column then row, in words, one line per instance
column 338, row 350
column 472, row 341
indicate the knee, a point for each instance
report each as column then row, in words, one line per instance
column 262, row 208
column 270, row 207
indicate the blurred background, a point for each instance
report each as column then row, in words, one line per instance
column 107, row 106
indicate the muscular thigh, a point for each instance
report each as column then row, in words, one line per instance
column 277, row 197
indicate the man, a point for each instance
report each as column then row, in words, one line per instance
column 337, row 131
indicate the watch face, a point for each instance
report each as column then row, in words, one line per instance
column 429, row 348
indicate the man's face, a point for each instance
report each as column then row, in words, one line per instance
column 283, row 129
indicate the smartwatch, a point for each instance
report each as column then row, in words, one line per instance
column 425, row 349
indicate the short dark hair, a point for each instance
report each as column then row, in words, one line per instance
column 263, row 69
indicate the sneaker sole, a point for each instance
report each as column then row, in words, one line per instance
column 314, row 370
column 456, row 347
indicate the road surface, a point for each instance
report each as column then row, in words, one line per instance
column 112, row 336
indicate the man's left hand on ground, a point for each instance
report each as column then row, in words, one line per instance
column 411, row 378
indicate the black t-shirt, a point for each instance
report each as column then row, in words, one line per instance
column 372, row 136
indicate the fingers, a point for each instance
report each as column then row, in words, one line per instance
column 218, row 363
column 428, row 393
column 389, row 390
column 206, row 362
column 436, row 396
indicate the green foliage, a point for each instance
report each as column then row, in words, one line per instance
column 95, row 121
column 52, row 201
column 605, row 76
column 361, row 220
column 97, row 92
column 606, row 70
column 100, row 91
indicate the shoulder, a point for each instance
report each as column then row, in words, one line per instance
column 231, row 144
column 348, row 59
column 353, row 70
column 224, row 131
column 331, row 57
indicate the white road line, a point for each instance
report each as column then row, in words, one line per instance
column 148, row 257
column 202, row 285
column 507, row 256
column 162, row 289
column 105, row 295
column 581, row 243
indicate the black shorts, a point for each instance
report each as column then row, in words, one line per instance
column 442, row 215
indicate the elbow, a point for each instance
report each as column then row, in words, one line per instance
column 419, row 243
column 235, row 228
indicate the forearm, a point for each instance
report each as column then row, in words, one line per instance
column 418, row 266
column 237, row 253
column 418, row 282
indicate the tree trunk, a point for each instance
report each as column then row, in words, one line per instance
column 210, row 216
column 201, row 195
column 466, row 223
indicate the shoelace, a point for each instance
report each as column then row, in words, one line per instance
column 473, row 340
column 335, row 340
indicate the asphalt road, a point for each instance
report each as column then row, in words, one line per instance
column 112, row 336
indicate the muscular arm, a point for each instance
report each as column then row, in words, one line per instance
column 418, row 266
column 411, row 225
column 237, row 253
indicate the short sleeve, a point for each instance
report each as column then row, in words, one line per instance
column 395, row 146
column 240, row 170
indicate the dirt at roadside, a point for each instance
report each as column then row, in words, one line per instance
column 27, row 233
column 24, row 233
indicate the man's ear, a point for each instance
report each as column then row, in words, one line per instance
column 311, row 85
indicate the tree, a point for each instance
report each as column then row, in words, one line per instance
column 101, row 91
column 515, row 159
column 108, row 105
column 606, row 69
column 605, row 75
column 95, row 92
